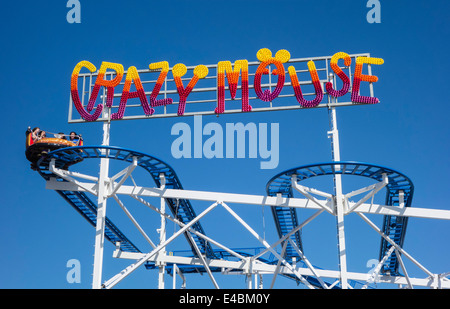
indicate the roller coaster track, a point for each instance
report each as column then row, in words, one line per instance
column 393, row 226
column 285, row 218
column 181, row 208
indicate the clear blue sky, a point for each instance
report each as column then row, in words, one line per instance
column 407, row 131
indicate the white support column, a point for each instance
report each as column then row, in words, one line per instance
column 67, row 175
column 174, row 276
column 101, row 210
column 339, row 200
column 249, row 281
column 401, row 198
column 162, row 235
column 176, row 271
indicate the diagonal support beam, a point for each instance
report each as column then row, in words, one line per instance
column 181, row 224
column 375, row 189
column 127, row 271
column 126, row 173
column 205, row 264
column 277, row 269
column 136, row 224
column 294, row 230
column 68, row 175
column 376, row 272
column 402, row 265
column 310, row 266
column 399, row 249
column 307, row 193
column 264, row 242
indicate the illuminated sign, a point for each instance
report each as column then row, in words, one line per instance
column 312, row 82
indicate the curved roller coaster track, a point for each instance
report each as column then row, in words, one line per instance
column 399, row 193
column 182, row 209
column 393, row 226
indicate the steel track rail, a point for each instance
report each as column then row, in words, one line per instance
column 393, row 226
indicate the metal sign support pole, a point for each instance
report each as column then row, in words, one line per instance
column 339, row 199
column 101, row 210
column 339, row 202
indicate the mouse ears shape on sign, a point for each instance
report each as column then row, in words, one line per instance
column 265, row 56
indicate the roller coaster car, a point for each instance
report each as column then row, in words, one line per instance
column 35, row 150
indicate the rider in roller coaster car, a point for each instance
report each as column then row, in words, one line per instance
column 39, row 145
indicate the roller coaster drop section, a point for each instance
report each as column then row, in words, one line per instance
column 285, row 257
